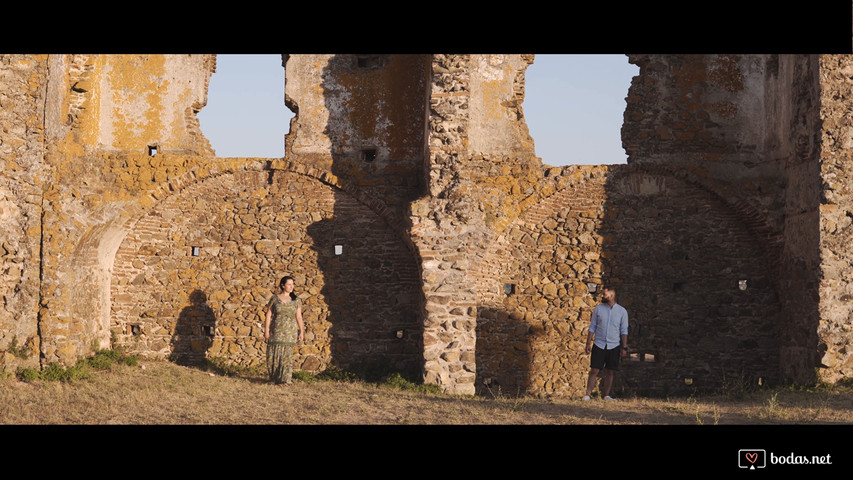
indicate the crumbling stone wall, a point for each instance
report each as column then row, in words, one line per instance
column 726, row 235
column 362, row 118
column 478, row 178
column 676, row 255
column 836, row 219
column 22, row 177
column 534, row 287
column 103, row 115
column 251, row 227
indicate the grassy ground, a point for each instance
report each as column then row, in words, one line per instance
column 163, row 393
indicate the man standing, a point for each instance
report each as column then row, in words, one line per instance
column 607, row 341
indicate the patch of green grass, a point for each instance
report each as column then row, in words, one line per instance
column 737, row 387
column 304, row 376
column 846, row 382
column 843, row 385
column 101, row 360
column 105, row 359
column 17, row 350
column 397, row 381
column 55, row 372
column 28, row 374
column 336, row 374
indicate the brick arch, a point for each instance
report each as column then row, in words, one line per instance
column 253, row 225
column 95, row 253
column 532, row 339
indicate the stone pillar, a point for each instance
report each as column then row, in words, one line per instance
column 477, row 139
column 119, row 127
column 24, row 80
column 834, row 332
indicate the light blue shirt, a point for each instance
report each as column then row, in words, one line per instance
column 608, row 324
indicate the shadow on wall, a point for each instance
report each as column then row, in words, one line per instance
column 504, row 337
column 371, row 279
column 194, row 331
column 695, row 279
column 703, row 310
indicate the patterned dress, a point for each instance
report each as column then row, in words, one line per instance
column 284, row 331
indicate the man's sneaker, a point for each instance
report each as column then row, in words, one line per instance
column 585, row 398
column 608, row 397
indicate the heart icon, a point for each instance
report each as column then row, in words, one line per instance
column 752, row 457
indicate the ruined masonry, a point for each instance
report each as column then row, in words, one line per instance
column 424, row 234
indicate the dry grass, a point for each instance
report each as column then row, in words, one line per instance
column 162, row 393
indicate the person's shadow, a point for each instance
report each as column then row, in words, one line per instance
column 194, row 331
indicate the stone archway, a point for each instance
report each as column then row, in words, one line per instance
column 677, row 254
column 193, row 274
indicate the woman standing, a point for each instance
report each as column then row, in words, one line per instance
column 284, row 319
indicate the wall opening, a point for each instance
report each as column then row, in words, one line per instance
column 245, row 114
column 368, row 155
column 574, row 106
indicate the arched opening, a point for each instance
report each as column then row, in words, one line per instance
column 574, row 106
column 245, row 114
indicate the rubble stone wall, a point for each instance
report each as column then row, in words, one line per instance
column 676, row 254
column 250, row 228
column 424, row 233
column 22, row 178
column 836, row 219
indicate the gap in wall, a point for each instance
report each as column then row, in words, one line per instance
column 574, row 107
column 245, row 115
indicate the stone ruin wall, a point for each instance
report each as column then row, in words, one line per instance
column 482, row 263
column 836, row 219
column 22, row 178
column 251, row 227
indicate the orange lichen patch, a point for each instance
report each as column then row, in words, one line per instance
column 726, row 72
column 494, row 95
column 87, row 129
column 138, row 87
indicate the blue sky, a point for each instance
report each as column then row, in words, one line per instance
column 573, row 106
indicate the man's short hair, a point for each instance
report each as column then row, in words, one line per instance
column 609, row 287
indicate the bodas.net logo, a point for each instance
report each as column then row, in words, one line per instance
column 751, row 458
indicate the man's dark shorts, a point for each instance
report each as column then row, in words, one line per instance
column 601, row 358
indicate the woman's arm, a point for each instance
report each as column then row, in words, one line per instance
column 301, row 327
column 267, row 323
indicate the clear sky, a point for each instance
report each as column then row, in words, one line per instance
column 573, row 107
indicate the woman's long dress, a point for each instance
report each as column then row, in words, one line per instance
column 283, row 335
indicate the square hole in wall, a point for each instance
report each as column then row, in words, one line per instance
column 195, row 251
column 509, row 288
column 152, row 150
column 207, row 330
column 339, row 249
column 368, row 154
column 134, row 330
column 371, row 61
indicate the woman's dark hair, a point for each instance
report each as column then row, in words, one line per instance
column 284, row 280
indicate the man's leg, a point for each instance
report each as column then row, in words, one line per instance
column 607, row 382
column 590, row 383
